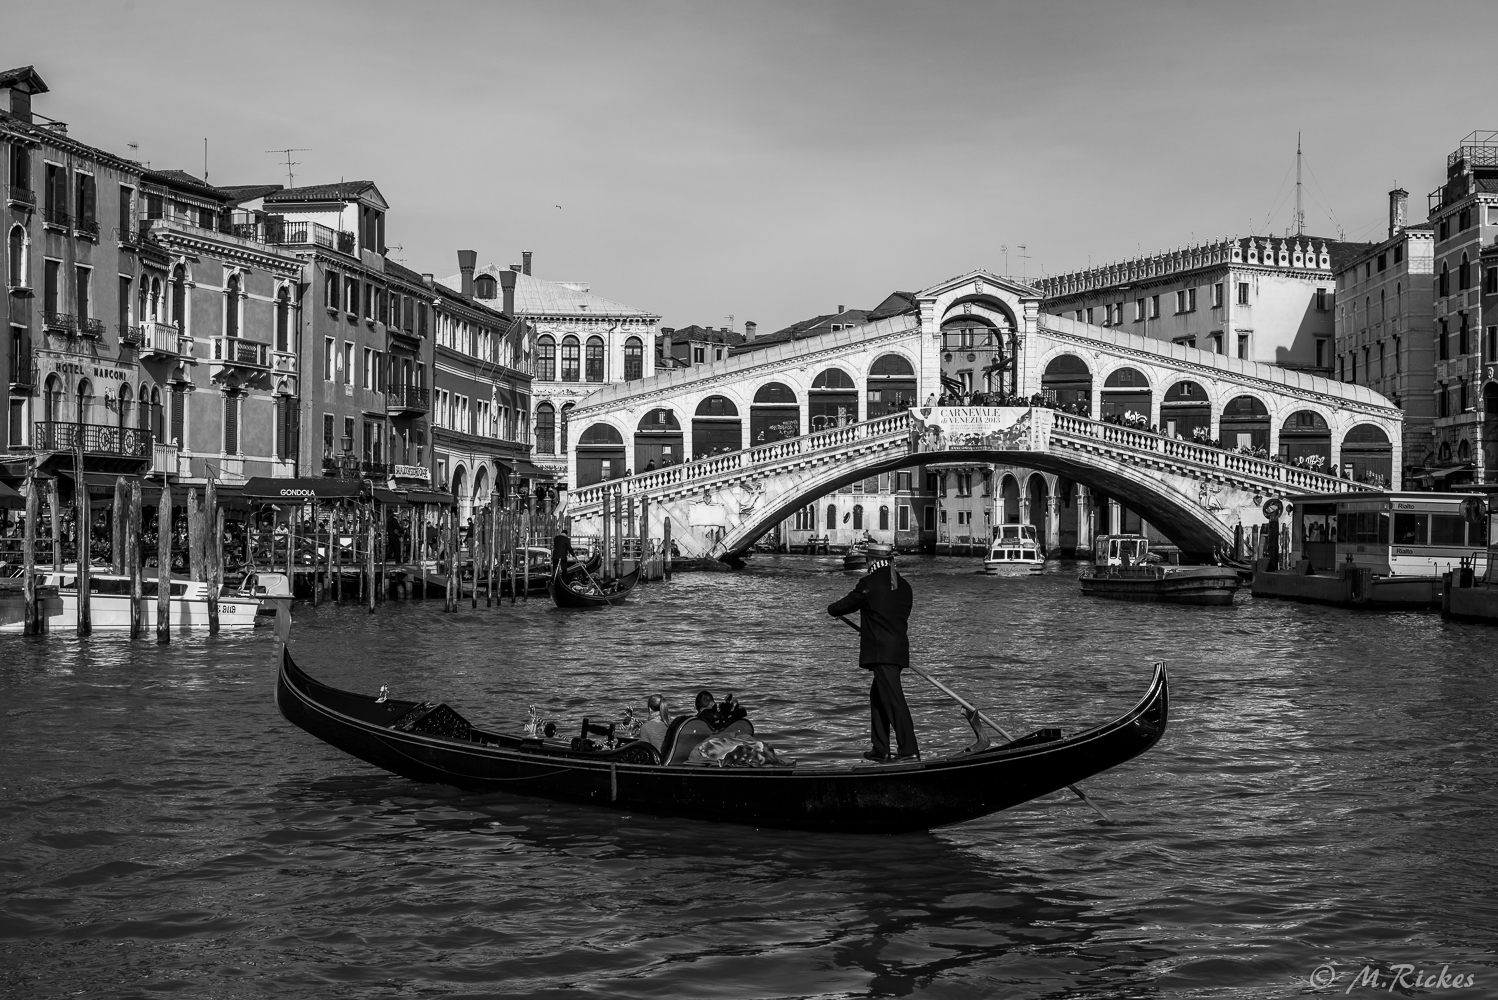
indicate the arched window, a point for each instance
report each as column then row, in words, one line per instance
column 1464, row 274
column 833, row 400
column 571, row 359
column 600, row 455
column 595, row 359
column 52, row 399
column 858, row 517
column 1443, row 283
column 634, row 358
column 126, row 401
column 562, row 430
column 85, row 400
column 143, row 414
column 546, row 359
column 179, row 298
column 775, row 414
column 17, row 275
column 884, row 518
column 1067, row 382
column 831, row 516
column 231, row 306
column 546, row 429
column 158, row 415
column 716, row 427
column 156, row 299
column 143, row 299
column 485, row 287
column 658, row 440
column 283, row 320
column 892, row 386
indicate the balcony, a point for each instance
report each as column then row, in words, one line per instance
column 98, row 439
column 241, row 353
column 57, row 218
column 407, row 400
column 307, row 234
column 60, row 322
column 159, row 340
column 87, row 227
column 22, row 197
column 346, row 466
column 130, row 335
column 93, row 328
column 22, row 374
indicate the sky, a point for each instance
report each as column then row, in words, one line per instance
column 771, row 161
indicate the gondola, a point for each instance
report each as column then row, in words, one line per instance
column 613, row 591
column 435, row 744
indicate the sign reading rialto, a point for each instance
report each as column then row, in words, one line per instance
column 973, row 428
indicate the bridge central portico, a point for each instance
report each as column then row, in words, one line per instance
column 1183, row 436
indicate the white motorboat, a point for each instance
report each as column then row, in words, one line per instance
column 267, row 588
column 109, row 603
column 1015, row 550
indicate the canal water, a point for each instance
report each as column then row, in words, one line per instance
column 1325, row 795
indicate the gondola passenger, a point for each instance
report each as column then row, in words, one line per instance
column 654, row 729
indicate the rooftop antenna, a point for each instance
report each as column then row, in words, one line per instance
column 1023, row 272
column 1005, row 247
column 205, row 159
column 290, row 179
column 1300, row 215
column 729, row 317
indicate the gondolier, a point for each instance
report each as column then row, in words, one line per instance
column 884, row 600
column 561, row 552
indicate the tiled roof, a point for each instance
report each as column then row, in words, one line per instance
column 682, row 334
column 537, row 297
column 61, row 140
column 811, row 328
column 342, row 191
column 24, row 74
column 894, row 304
column 248, row 192
column 183, row 179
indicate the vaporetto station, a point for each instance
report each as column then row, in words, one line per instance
column 727, row 496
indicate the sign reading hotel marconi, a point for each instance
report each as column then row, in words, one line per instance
column 81, row 367
column 972, row 428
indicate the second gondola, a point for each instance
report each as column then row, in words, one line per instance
column 588, row 591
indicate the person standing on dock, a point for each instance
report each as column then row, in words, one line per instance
column 884, row 599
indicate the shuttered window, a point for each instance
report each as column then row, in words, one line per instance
column 231, row 425
column 177, row 401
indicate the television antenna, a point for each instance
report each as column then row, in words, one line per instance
column 1023, row 268
column 290, row 178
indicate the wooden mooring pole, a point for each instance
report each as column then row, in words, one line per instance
column 117, row 515
column 84, row 524
column 132, row 561
column 370, row 560
column 35, row 622
column 164, row 565
column 213, row 549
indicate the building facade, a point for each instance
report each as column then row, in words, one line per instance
column 1464, row 214
column 575, row 343
column 682, row 347
column 1385, row 337
column 1264, row 299
column 72, row 265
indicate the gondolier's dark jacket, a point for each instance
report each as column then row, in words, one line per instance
column 884, row 635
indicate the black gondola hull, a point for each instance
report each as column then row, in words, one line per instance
column 566, row 597
column 858, row 799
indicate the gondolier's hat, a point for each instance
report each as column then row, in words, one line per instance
column 878, row 551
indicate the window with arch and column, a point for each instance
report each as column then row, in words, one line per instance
column 594, row 360
column 634, row 358
column 571, row 359
column 179, row 299
column 546, row 359
column 892, row 386
column 600, row 455
column 283, row 320
column 831, row 516
column 546, row 429
column 232, row 299
column 716, row 427
column 774, row 415
column 52, row 395
column 126, row 401
column 832, row 401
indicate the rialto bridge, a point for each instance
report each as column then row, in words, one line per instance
column 730, row 449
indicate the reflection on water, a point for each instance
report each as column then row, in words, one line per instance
column 1323, row 793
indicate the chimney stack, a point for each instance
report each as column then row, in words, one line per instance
column 751, row 328
column 507, row 284
column 467, row 261
column 1399, row 200
column 666, row 347
column 525, row 262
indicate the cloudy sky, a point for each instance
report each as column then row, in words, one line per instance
column 769, row 161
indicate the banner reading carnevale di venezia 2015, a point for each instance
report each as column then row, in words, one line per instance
column 973, row 428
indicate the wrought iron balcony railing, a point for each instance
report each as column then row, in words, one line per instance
column 408, row 399
column 57, row 217
column 87, row 227
column 22, row 375
column 22, row 196
column 237, row 351
column 130, row 334
column 90, row 327
column 63, row 322
column 98, row 439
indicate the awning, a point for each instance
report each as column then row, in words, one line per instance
column 101, row 487
column 301, row 490
column 526, row 470
column 427, row 496
column 1445, row 471
column 11, row 499
column 381, row 495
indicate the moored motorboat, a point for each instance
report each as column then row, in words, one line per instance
column 856, row 558
column 1121, row 571
column 109, row 603
column 434, row 743
column 267, row 588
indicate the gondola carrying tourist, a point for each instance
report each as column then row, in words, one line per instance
column 884, row 599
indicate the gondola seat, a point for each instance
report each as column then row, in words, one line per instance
column 686, row 732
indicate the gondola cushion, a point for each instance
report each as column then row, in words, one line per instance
column 439, row 720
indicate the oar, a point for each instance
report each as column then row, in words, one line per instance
column 996, row 727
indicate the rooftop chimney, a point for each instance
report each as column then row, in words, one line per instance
column 467, row 261
column 841, row 310
column 429, row 280
column 1399, row 200
column 751, row 328
column 525, row 262
column 666, row 346
column 515, row 268
column 507, row 283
